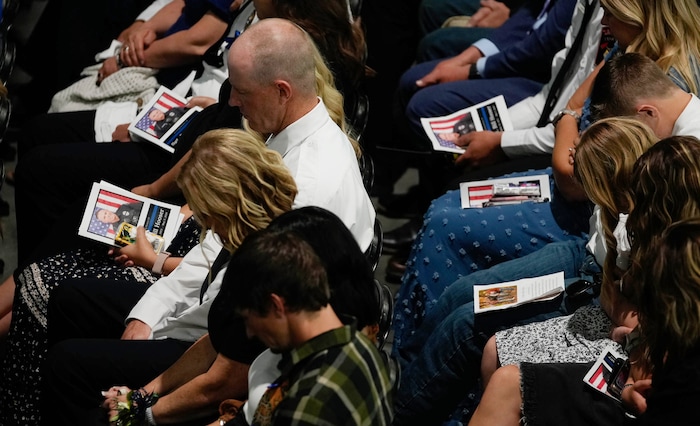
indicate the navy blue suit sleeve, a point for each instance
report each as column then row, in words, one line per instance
column 532, row 56
column 517, row 25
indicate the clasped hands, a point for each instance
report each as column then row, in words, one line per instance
column 135, row 40
column 113, row 396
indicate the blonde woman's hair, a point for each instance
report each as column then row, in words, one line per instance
column 234, row 183
column 604, row 160
column 669, row 300
column 670, row 33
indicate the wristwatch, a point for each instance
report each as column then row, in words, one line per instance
column 160, row 261
column 474, row 72
column 564, row 112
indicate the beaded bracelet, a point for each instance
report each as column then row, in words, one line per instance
column 133, row 411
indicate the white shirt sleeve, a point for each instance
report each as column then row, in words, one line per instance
column 527, row 138
column 177, row 292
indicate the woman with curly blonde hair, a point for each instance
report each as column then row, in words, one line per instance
column 235, row 186
column 234, row 204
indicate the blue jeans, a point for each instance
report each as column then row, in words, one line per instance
column 455, row 242
column 440, row 363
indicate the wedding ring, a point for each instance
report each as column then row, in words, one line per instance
column 126, row 49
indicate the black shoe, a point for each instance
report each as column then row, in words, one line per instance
column 403, row 236
column 396, row 267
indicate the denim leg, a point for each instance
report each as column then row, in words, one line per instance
column 455, row 365
column 444, row 355
column 567, row 256
column 454, row 243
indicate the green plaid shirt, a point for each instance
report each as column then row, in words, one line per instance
column 336, row 378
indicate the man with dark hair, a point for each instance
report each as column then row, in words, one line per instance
column 331, row 373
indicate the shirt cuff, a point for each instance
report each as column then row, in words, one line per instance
column 486, row 46
column 481, row 65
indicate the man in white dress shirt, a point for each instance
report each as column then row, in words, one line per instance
column 273, row 83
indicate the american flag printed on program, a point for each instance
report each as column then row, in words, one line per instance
column 164, row 103
column 110, row 201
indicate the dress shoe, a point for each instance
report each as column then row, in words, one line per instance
column 396, row 266
column 402, row 236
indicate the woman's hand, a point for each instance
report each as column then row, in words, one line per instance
column 134, row 44
column 140, row 253
column 109, row 67
column 121, row 133
column 634, row 397
column 113, row 396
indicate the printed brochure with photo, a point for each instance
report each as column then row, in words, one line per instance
column 608, row 374
column 162, row 119
column 502, row 191
column 488, row 115
column 507, row 295
column 112, row 215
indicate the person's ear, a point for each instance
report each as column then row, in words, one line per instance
column 284, row 90
column 278, row 306
column 649, row 115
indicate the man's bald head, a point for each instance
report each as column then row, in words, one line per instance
column 276, row 49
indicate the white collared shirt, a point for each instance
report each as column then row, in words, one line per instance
column 325, row 169
column 687, row 124
column 527, row 139
column 171, row 306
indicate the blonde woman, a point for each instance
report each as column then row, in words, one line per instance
column 234, row 186
column 663, row 280
column 605, row 158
